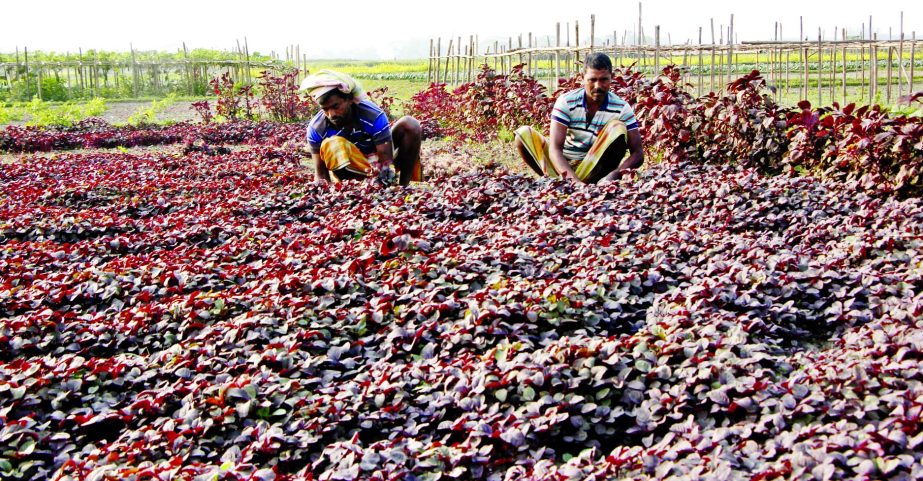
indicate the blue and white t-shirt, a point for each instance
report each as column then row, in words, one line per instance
column 373, row 130
column 570, row 110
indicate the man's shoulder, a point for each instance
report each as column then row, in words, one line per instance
column 318, row 123
column 616, row 101
column 368, row 109
column 575, row 95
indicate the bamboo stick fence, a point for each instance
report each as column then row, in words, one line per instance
column 841, row 69
column 89, row 76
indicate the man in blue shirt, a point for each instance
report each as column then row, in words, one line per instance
column 350, row 138
column 591, row 130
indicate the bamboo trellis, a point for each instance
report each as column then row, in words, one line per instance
column 816, row 70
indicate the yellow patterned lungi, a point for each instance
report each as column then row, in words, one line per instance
column 338, row 153
column 537, row 146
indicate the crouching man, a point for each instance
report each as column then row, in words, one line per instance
column 591, row 130
column 350, row 137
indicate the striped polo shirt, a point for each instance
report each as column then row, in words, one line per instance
column 373, row 128
column 570, row 110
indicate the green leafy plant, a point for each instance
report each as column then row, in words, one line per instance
column 148, row 115
column 44, row 114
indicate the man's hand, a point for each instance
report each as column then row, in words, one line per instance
column 386, row 176
column 615, row 176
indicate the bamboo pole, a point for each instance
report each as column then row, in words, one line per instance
column 448, row 60
column 38, row 78
column 642, row 58
column 25, row 51
column 820, row 64
column 134, row 72
column 834, row 69
column 862, row 65
column 471, row 58
column 429, row 64
column 788, row 69
column 247, row 61
column 496, row 51
column 913, row 57
column 901, row 73
column 890, row 73
column 557, row 55
column 529, row 56
column 509, row 58
column 699, row 86
column 458, row 52
column 843, row 53
column 656, row 50
column 873, row 71
column 900, row 61
column 806, row 81
column 438, row 59
column 592, row 32
column 187, row 72
column 712, row 67
column 577, row 44
column 730, row 48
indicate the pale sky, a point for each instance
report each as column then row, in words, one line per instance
column 402, row 28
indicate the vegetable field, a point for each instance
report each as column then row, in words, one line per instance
column 202, row 310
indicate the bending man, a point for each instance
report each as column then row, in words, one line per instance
column 591, row 129
column 350, row 137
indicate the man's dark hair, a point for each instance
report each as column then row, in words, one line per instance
column 336, row 92
column 598, row 61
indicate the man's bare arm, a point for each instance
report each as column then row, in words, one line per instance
column 321, row 174
column 634, row 160
column 385, row 154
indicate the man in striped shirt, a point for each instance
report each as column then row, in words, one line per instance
column 351, row 134
column 591, row 130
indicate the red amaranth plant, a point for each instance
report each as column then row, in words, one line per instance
column 865, row 144
column 234, row 101
column 381, row 98
column 204, row 111
column 480, row 108
column 281, row 99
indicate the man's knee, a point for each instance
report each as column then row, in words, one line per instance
column 409, row 127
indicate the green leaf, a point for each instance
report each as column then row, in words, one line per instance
column 500, row 394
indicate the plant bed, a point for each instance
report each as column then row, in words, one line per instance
column 220, row 316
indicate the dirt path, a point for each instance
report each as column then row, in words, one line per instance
column 118, row 112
